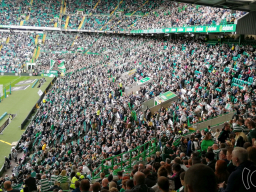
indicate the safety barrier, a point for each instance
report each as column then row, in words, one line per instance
column 34, row 84
column 220, row 119
column 2, row 116
column 144, row 151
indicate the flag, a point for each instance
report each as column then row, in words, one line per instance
column 188, row 123
column 52, row 62
column 61, row 66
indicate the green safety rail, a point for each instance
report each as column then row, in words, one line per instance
column 2, row 116
column 149, row 148
column 34, row 83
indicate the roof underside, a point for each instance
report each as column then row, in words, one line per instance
column 241, row 5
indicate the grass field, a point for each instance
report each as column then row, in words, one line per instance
column 20, row 103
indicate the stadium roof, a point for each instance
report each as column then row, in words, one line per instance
column 242, row 5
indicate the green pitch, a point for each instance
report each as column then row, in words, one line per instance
column 19, row 102
column 6, row 80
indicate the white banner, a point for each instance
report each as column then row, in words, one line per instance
column 40, row 92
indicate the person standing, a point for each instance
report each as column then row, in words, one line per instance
column 224, row 134
column 167, row 151
column 30, row 183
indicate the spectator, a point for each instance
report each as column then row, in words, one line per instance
column 200, row 178
column 124, row 185
column 179, row 161
column 252, row 133
column 105, row 184
column 239, row 159
column 149, row 180
column 112, row 184
column 252, row 154
column 210, row 160
column 120, row 177
column 30, row 183
column 45, row 183
column 176, row 169
column 167, row 151
column 221, row 171
column 8, row 187
column 163, row 184
column 182, row 176
column 207, row 141
column 74, row 179
column 64, row 180
column 224, row 134
column 139, row 183
column 240, row 138
column 84, row 185
column 129, row 186
column 223, row 155
column 77, row 187
column 158, row 157
column 96, row 187
column 230, row 166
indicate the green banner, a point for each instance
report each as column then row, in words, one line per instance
column 62, row 67
column 142, row 81
column 51, row 64
column 195, row 29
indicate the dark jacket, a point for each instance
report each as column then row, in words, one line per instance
column 176, row 180
column 212, row 164
column 223, row 135
column 31, row 184
column 231, row 167
column 240, row 179
column 142, row 188
column 150, row 182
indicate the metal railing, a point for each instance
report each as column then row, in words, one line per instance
column 143, row 151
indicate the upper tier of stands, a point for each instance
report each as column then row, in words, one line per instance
column 112, row 15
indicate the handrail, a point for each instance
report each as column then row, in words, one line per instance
column 143, row 155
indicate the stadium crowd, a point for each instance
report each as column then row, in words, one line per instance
column 99, row 15
column 86, row 117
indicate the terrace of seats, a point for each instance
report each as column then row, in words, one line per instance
column 105, row 14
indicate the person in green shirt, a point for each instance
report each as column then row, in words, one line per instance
column 167, row 151
column 207, row 142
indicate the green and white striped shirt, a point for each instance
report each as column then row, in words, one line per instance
column 55, row 178
column 63, row 179
column 45, row 185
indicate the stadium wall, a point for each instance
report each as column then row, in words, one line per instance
column 246, row 24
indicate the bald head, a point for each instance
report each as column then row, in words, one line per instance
column 141, row 166
column 115, row 167
column 200, row 178
column 8, row 185
column 105, row 182
column 139, row 178
column 149, row 166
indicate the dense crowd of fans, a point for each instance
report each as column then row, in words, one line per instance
column 17, row 49
column 99, row 15
column 86, row 117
